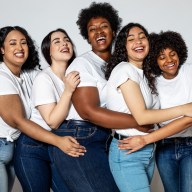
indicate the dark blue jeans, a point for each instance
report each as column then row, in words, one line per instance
column 174, row 162
column 88, row 173
column 33, row 167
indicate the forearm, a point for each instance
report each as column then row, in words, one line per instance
column 110, row 119
column 170, row 129
column 34, row 131
column 60, row 111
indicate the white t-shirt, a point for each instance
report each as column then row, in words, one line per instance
column 90, row 66
column 176, row 91
column 115, row 101
column 11, row 84
column 47, row 88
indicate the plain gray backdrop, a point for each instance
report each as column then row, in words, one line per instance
column 41, row 16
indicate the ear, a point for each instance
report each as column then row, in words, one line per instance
column 2, row 51
column 114, row 34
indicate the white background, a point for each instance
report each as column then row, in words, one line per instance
column 41, row 16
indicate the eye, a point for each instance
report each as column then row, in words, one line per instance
column 161, row 57
column 24, row 42
column 12, row 43
column 130, row 39
column 56, row 42
column 104, row 26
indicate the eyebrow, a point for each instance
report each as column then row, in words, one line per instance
column 57, row 38
column 16, row 40
column 139, row 34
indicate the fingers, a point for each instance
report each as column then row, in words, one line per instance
column 74, row 149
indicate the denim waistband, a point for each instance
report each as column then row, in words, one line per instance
column 175, row 140
column 80, row 122
column 118, row 136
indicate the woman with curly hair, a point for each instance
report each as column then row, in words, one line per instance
column 88, row 116
column 171, row 76
column 128, row 91
column 19, row 61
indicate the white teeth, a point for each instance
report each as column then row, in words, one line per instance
column 100, row 38
column 19, row 54
column 138, row 48
column 64, row 50
column 171, row 65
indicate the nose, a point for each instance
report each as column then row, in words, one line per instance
column 138, row 41
column 20, row 46
column 169, row 59
column 64, row 43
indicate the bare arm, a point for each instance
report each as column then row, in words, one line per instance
column 86, row 102
column 12, row 112
column 134, row 100
column 55, row 113
column 137, row 142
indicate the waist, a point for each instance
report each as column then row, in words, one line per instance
column 119, row 137
column 175, row 140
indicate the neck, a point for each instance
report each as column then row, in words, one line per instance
column 59, row 69
column 104, row 55
column 16, row 70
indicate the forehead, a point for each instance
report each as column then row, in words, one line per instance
column 135, row 30
column 97, row 21
column 15, row 35
column 58, row 34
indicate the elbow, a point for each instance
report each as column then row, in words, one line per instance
column 86, row 114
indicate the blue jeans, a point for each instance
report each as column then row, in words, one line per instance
column 88, row 173
column 7, row 174
column 32, row 165
column 132, row 172
column 174, row 162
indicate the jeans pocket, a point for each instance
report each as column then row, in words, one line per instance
column 29, row 142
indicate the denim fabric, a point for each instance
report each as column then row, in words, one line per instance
column 88, row 173
column 7, row 174
column 132, row 172
column 174, row 162
column 32, row 165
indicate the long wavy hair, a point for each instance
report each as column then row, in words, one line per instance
column 32, row 61
column 120, row 51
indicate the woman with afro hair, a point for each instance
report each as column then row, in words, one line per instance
column 88, row 119
column 171, row 80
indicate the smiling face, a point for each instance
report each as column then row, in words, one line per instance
column 61, row 48
column 137, row 46
column 168, row 62
column 15, row 50
column 100, row 35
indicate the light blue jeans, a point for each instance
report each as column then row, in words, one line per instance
column 132, row 172
column 7, row 174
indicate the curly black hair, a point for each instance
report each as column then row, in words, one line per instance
column 32, row 61
column 120, row 51
column 96, row 10
column 158, row 43
column 46, row 43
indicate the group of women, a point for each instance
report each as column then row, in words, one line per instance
column 55, row 123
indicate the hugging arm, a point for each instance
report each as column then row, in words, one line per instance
column 137, row 142
column 86, row 101
column 12, row 112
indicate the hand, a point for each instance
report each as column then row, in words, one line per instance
column 71, row 147
column 145, row 128
column 71, row 81
column 132, row 143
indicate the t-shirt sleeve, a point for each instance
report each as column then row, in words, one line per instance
column 85, row 71
column 7, row 85
column 43, row 90
column 123, row 72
